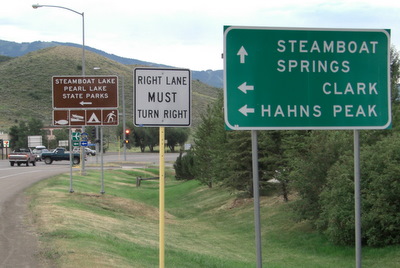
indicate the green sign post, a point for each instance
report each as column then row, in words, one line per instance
column 292, row 78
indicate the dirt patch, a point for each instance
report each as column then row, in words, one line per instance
column 239, row 202
column 18, row 241
column 145, row 172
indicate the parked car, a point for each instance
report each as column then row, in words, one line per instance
column 22, row 155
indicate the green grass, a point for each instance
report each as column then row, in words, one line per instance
column 204, row 227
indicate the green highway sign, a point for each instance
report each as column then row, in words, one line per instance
column 76, row 136
column 295, row 78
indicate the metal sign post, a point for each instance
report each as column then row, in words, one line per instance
column 357, row 197
column 256, row 194
column 102, row 161
column 162, row 199
column 71, row 190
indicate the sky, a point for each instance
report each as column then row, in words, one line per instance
column 182, row 33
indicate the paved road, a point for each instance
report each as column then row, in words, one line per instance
column 18, row 243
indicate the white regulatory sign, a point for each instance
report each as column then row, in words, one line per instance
column 162, row 97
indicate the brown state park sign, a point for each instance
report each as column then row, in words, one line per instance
column 85, row 92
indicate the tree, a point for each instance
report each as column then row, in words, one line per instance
column 139, row 135
column 239, row 160
column 394, row 73
column 322, row 174
column 146, row 136
column 184, row 166
column 18, row 137
column 337, row 218
column 211, row 145
column 273, row 159
column 61, row 134
column 380, row 190
column 203, row 148
column 19, row 134
column 309, row 170
column 152, row 139
column 176, row 136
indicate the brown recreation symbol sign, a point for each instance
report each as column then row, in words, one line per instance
column 85, row 92
column 88, row 117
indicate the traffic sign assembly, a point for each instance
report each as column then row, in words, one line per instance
column 162, row 97
column 292, row 78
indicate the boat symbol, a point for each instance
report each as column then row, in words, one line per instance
column 77, row 118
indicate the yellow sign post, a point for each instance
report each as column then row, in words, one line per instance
column 162, row 198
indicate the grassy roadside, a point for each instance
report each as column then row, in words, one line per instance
column 204, row 227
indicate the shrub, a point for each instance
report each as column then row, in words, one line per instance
column 184, row 166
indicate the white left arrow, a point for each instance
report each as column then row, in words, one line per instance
column 244, row 110
column 244, row 87
column 85, row 103
column 242, row 53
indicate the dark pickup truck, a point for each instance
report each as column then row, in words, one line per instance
column 60, row 154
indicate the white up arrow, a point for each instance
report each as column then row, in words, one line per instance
column 244, row 87
column 242, row 53
column 244, row 110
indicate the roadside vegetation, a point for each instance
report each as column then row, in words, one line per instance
column 316, row 166
column 205, row 227
column 307, row 208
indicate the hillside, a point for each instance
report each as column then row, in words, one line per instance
column 14, row 49
column 26, row 85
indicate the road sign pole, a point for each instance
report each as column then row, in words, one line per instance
column 97, row 144
column 256, row 195
column 102, row 162
column 162, row 198
column 357, row 197
column 83, row 172
column 71, row 190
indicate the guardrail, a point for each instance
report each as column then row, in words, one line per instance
column 140, row 179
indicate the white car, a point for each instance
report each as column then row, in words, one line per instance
column 38, row 152
column 89, row 151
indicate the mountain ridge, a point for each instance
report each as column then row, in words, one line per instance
column 210, row 77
